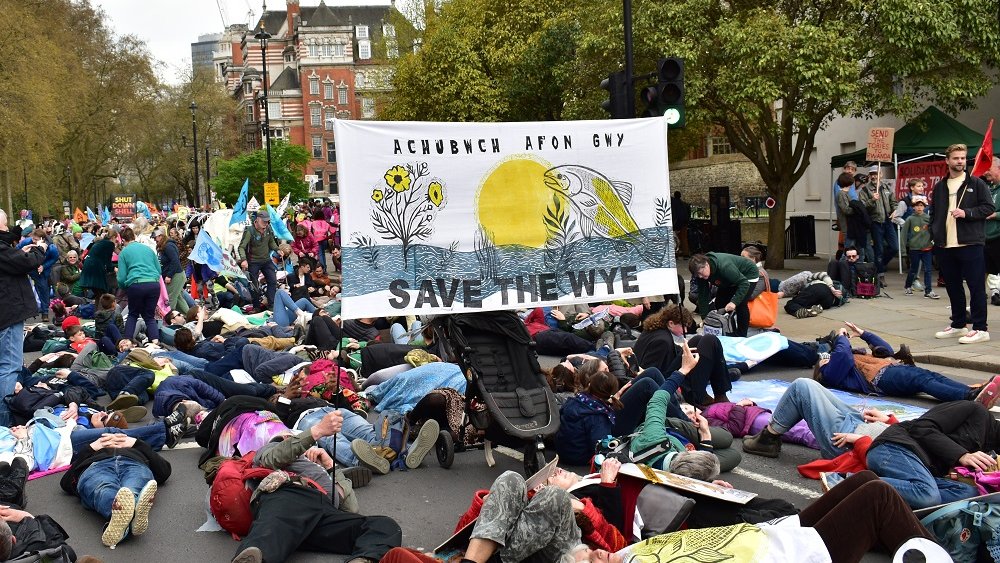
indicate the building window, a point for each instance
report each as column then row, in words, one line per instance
column 315, row 115
column 330, row 116
column 273, row 110
column 331, row 151
column 367, row 107
column 364, row 50
column 362, row 31
column 338, row 50
column 327, row 91
column 333, row 183
column 342, row 95
column 327, row 50
column 319, row 180
column 317, row 146
column 277, row 134
column 393, row 51
column 249, row 112
column 314, row 86
column 313, row 50
column 719, row 146
column 289, row 58
column 388, row 30
column 247, row 88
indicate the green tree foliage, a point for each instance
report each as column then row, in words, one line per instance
column 770, row 73
column 288, row 164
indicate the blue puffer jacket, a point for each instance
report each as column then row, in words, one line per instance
column 179, row 388
column 584, row 421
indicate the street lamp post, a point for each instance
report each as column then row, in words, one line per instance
column 263, row 36
column 194, row 134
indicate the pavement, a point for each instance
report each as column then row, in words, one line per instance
column 898, row 318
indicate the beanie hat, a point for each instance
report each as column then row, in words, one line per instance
column 70, row 321
column 76, row 228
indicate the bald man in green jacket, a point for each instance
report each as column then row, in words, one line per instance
column 733, row 278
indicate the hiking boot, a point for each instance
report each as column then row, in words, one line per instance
column 829, row 480
column 815, row 310
column 177, row 416
column 134, row 414
column 904, row 355
column 995, row 298
column 931, row 295
column 370, row 458
column 140, row 522
column 951, row 332
column 989, row 393
column 249, row 555
column 122, row 402
column 974, row 336
column 359, row 476
column 908, row 291
column 802, row 313
column 122, row 513
column 424, row 443
column 764, row 443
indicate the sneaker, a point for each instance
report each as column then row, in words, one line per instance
column 174, row 435
column 424, row 443
column 249, row 555
column 177, row 416
column 989, row 393
column 764, row 443
column 134, row 414
column 370, row 458
column 359, row 476
column 917, row 285
column 122, row 513
column 974, row 336
column 828, row 480
column 802, row 313
column 140, row 522
column 951, row 332
column 122, row 402
column 908, row 291
column 995, row 298
column 931, row 295
column 815, row 310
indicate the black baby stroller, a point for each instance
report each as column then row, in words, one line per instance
column 498, row 358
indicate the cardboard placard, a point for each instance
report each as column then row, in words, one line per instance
column 880, row 144
column 686, row 483
column 271, row 195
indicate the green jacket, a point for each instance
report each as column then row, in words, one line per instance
column 917, row 232
column 728, row 270
column 256, row 247
column 652, row 431
column 878, row 209
column 993, row 225
column 137, row 263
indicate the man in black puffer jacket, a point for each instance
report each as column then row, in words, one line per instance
column 19, row 305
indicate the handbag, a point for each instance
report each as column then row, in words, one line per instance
column 163, row 303
column 965, row 528
column 764, row 307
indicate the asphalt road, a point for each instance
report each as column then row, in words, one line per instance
column 426, row 502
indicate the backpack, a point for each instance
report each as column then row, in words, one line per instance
column 719, row 323
column 24, row 404
column 969, row 530
column 229, row 498
column 621, row 449
column 866, row 284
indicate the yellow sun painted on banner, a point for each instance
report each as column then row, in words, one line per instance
column 512, row 200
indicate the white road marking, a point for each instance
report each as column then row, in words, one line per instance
column 776, row 483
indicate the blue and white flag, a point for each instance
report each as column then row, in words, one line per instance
column 106, row 216
column 278, row 225
column 141, row 207
column 90, row 215
column 207, row 251
column 240, row 209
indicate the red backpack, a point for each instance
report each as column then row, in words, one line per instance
column 229, row 499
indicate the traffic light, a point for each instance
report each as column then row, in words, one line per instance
column 666, row 98
column 618, row 92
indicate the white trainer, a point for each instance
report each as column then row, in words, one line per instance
column 974, row 336
column 951, row 332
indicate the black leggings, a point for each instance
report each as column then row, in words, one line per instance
column 324, row 333
column 710, row 370
column 859, row 514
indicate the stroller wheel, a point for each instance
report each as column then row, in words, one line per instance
column 445, row 449
column 534, row 459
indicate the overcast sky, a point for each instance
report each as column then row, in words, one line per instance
column 170, row 26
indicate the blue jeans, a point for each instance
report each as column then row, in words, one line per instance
column 44, row 292
column 885, row 241
column 100, row 482
column 321, row 253
column 918, row 257
column 270, row 278
column 128, row 379
column 901, row 468
column 807, row 399
column 285, row 309
column 11, row 362
column 142, row 299
column 905, row 381
column 183, row 359
column 354, row 427
column 154, row 434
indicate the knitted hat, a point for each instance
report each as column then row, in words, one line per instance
column 70, row 321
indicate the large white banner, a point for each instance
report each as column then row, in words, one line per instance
column 459, row 217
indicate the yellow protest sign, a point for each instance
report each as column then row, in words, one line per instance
column 271, row 193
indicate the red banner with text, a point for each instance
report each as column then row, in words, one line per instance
column 930, row 171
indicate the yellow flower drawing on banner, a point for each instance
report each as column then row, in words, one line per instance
column 398, row 178
column 404, row 208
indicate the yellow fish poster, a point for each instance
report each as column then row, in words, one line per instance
column 463, row 217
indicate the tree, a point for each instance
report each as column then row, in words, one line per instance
column 774, row 73
column 288, row 165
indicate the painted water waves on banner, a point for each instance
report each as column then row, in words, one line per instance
column 453, row 217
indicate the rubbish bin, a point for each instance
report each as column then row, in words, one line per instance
column 800, row 236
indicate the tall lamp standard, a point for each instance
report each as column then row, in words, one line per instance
column 194, row 134
column 263, row 36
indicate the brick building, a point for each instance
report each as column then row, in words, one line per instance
column 320, row 65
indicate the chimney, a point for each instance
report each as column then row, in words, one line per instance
column 292, row 15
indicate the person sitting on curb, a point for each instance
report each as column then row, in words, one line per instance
column 117, row 477
column 879, row 373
